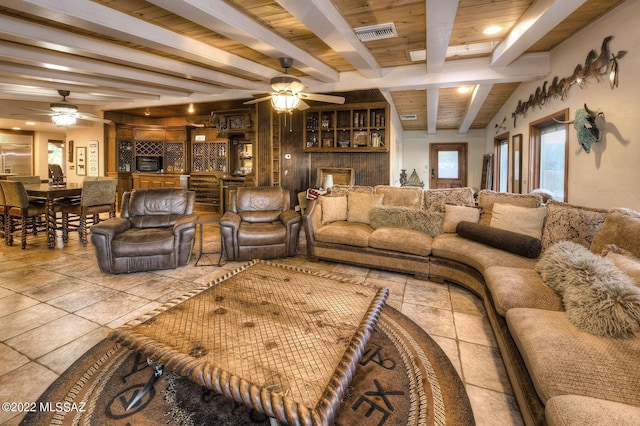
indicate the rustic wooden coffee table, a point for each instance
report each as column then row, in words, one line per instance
column 279, row 339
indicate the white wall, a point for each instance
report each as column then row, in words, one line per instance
column 609, row 175
column 415, row 152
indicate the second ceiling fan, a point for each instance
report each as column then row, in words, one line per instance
column 287, row 92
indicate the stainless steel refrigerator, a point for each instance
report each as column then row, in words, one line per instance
column 16, row 152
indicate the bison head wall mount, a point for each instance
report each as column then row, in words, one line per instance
column 589, row 126
column 595, row 66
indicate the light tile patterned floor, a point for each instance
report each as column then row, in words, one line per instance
column 55, row 304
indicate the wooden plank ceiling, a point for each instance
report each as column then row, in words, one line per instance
column 206, row 52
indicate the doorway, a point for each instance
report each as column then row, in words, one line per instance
column 448, row 163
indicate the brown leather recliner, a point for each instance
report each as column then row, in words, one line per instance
column 259, row 224
column 155, row 230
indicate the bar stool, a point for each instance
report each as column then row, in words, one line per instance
column 19, row 206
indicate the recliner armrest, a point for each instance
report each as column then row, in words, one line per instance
column 187, row 221
column 231, row 220
column 111, row 227
column 289, row 217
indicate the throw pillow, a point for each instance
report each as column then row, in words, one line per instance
column 359, row 206
column 487, row 198
column 556, row 263
column 603, row 300
column 567, row 222
column 456, row 214
column 333, row 209
column 404, row 217
column 598, row 297
column 621, row 229
column 624, row 260
column 523, row 220
column 433, row 198
column 513, row 242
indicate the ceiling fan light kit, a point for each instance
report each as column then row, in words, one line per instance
column 287, row 92
column 63, row 120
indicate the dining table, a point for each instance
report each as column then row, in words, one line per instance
column 52, row 194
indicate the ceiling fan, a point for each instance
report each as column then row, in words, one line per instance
column 287, row 92
column 65, row 114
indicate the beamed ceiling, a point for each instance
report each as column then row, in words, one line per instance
column 161, row 55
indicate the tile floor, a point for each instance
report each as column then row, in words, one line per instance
column 55, row 304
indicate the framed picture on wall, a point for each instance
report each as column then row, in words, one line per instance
column 93, row 166
column 516, row 163
column 81, row 161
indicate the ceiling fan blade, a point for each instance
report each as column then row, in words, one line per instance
column 303, row 105
column 91, row 117
column 255, row 101
column 38, row 109
column 323, row 98
column 30, row 114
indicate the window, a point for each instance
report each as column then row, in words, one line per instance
column 56, row 153
column 549, row 155
column 501, row 166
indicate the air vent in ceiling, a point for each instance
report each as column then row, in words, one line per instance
column 407, row 117
column 376, row 32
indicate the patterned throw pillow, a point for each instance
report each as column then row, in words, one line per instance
column 568, row 222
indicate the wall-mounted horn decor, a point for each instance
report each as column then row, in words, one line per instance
column 595, row 66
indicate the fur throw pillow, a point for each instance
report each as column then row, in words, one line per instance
column 603, row 300
column 598, row 297
column 404, row 217
column 554, row 266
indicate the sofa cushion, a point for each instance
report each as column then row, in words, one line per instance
column 261, row 233
column 568, row 222
column 523, row 220
column 487, row 198
column 566, row 410
column 404, row 196
column 477, row 255
column 143, row 242
column 434, row 199
column 520, row 288
column 402, row 240
column 359, row 206
column 349, row 233
column 620, row 229
column 513, row 242
column 403, row 217
column 562, row 359
column 334, row 209
column 456, row 214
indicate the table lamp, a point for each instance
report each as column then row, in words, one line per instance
column 328, row 182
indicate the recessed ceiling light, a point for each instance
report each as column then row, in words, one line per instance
column 191, row 109
column 30, row 123
column 464, row 89
column 16, row 128
column 493, row 29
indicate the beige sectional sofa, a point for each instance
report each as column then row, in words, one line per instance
column 562, row 371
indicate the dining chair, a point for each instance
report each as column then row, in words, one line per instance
column 98, row 196
column 19, row 208
column 55, row 174
column 27, row 180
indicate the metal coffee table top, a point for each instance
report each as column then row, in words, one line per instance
column 279, row 339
